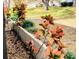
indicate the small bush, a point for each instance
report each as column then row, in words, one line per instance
column 14, row 16
column 69, row 55
column 31, row 30
column 27, row 24
column 56, row 57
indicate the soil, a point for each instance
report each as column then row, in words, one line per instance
column 15, row 47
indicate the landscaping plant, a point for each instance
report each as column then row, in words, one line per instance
column 55, row 34
column 21, row 14
column 27, row 24
column 69, row 55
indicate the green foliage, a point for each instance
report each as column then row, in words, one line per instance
column 27, row 24
column 14, row 16
column 31, row 30
column 56, row 57
column 69, row 55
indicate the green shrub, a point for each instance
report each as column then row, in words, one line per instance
column 27, row 24
column 31, row 30
column 56, row 57
column 14, row 16
column 69, row 55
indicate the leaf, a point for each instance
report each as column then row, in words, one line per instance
column 37, row 34
column 56, row 52
column 47, row 52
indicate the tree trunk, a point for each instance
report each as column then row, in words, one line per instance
column 46, row 3
column 74, row 3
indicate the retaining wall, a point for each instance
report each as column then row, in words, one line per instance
column 26, row 36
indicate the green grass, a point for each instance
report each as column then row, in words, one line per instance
column 60, row 12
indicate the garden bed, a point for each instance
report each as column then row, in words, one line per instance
column 26, row 36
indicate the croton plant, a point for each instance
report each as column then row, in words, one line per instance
column 21, row 14
column 55, row 34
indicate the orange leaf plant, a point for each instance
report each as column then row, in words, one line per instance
column 55, row 33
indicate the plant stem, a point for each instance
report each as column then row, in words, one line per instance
column 43, row 42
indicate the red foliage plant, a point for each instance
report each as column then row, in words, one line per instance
column 32, row 45
column 37, row 35
column 56, row 35
column 48, row 18
column 57, row 32
column 45, row 23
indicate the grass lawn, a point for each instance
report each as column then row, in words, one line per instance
column 57, row 12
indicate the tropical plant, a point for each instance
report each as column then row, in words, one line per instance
column 20, row 7
column 69, row 55
column 55, row 33
column 27, row 24
column 32, row 49
column 31, row 30
column 14, row 15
